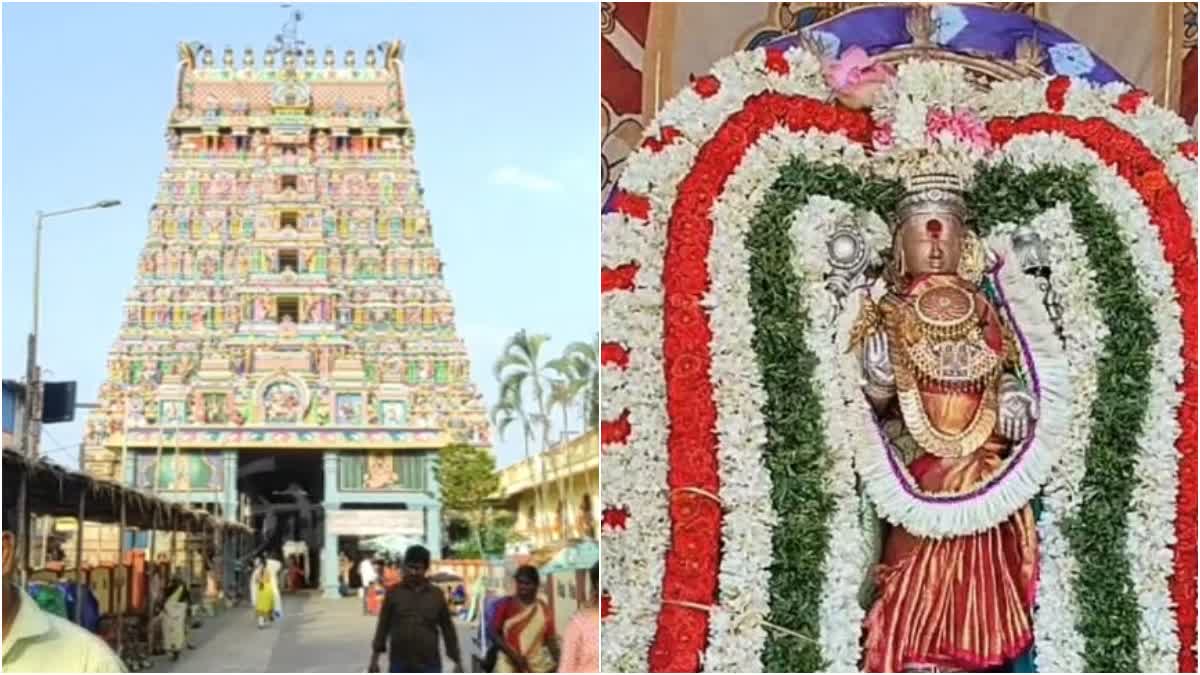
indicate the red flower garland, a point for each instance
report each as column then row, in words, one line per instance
column 1056, row 92
column 693, row 560
column 614, row 517
column 666, row 136
column 1130, row 101
column 616, row 432
column 707, row 86
column 614, row 354
column 620, row 278
column 776, row 62
column 1146, row 173
column 631, row 205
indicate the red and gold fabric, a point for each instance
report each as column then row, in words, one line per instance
column 959, row 603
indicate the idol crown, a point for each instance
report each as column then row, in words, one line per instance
column 928, row 193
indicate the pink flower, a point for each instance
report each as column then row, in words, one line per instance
column 884, row 136
column 855, row 68
column 963, row 126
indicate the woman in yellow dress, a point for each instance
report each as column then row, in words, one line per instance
column 263, row 588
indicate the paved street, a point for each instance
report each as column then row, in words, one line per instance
column 316, row 636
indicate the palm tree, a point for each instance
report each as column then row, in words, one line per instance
column 508, row 409
column 524, row 382
column 564, row 390
column 519, row 370
column 580, row 381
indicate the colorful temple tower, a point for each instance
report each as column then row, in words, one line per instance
column 289, row 337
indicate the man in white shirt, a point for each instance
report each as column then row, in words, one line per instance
column 36, row 641
column 366, row 570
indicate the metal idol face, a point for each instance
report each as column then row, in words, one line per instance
column 931, row 243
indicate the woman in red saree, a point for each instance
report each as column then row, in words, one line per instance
column 523, row 629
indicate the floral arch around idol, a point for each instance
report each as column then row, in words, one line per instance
column 941, row 348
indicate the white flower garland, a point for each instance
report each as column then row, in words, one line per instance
column 1182, row 173
column 639, row 560
column 848, row 559
column 1060, row 646
column 635, row 473
column 737, row 638
column 1151, row 531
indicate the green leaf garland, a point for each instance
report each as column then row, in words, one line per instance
column 1109, row 612
column 796, row 452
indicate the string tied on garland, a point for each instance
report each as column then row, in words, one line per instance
column 692, row 489
column 775, row 627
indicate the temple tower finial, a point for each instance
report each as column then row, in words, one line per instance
column 288, row 41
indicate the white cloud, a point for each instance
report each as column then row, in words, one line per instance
column 526, row 180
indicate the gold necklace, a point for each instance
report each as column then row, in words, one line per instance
column 939, row 343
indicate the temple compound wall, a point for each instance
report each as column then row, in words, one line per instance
column 289, row 312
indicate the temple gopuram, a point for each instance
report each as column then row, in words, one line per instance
column 288, row 353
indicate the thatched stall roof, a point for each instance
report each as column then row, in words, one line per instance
column 55, row 491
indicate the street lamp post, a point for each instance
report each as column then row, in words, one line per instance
column 33, row 386
column 33, row 393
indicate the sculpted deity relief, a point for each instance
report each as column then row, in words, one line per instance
column 282, row 402
column 349, row 409
column 381, row 473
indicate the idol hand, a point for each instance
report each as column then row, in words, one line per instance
column 877, row 361
column 1018, row 409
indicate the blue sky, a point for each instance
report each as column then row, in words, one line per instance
column 503, row 101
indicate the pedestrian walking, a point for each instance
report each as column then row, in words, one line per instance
column 413, row 613
column 523, row 628
column 366, row 573
column 581, row 642
column 264, row 591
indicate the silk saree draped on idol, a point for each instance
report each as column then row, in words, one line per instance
column 961, row 602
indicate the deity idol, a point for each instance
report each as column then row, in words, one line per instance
column 263, row 311
column 198, row 318
column 938, row 359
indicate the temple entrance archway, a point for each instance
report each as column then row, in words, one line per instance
column 286, row 492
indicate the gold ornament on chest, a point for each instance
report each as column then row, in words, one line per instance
column 940, row 346
column 941, row 341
